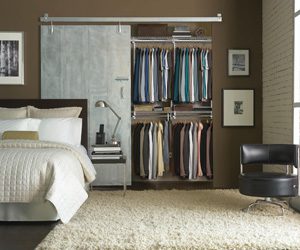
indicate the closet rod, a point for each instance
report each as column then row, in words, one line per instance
column 174, row 117
column 148, row 116
column 46, row 18
column 151, row 112
column 170, row 40
column 197, row 109
column 191, row 113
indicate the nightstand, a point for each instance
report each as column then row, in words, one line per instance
column 98, row 163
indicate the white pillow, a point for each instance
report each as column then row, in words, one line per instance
column 33, row 124
column 13, row 113
column 27, row 124
column 64, row 112
column 65, row 130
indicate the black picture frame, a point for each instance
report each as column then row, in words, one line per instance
column 12, row 49
column 238, row 62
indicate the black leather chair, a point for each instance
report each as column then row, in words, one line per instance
column 268, row 184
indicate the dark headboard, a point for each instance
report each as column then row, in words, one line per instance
column 53, row 103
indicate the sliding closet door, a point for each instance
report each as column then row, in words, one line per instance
column 91, row 62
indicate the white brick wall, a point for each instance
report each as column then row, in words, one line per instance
column 277, row 72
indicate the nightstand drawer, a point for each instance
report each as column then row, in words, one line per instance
column 109, row 174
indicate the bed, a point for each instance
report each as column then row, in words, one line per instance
column 45, row 180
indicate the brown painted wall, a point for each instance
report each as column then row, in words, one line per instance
column 241, row 28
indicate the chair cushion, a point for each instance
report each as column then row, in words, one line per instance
column 264, row 184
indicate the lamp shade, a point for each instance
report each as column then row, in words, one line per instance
column 101, row 104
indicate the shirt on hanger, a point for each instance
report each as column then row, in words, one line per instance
column 199, row 170
column 154, row 159
column 166, row 144
column 187, row 96
column 150, row 159
column 160, row 162
column 191, row 150
column 142, row 137
column 136, row 77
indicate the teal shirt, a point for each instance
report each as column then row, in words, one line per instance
column 187, row 96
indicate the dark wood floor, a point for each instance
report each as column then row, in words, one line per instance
column 23, row 235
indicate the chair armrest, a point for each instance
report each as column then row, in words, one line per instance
column 241, row 169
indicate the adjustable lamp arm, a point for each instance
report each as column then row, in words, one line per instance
column 119, row 119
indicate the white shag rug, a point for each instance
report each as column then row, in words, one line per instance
column 174, row 219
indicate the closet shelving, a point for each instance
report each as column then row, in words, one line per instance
column 174, row 114
column 168, row 110
column 169, row 39
column 143, row 37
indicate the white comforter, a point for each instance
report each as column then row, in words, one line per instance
column 35, row 171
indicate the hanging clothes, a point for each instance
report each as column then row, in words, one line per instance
column 195, row 75
column 142, row 168
column 155, row 150
column 209, row 77
column 165, row 74
column 192, row 149
column 151, row 80
column 136, row 147
column 199, row 168
column 155, row 75
column 166, row 145
column 208, row 152
column 142, row 79
column 206, row 75
column 160, row 163
column 182, row 146
column 136, row 77
column 195, row 153
column 177, row 147
column 150, row 157
column 148, row 149
column 182, row 73
column 186, row 71
column 176, row 76
column 204, row 148
column 186, row 149
column 192, row 78
column 147, row 75
column 192, row 75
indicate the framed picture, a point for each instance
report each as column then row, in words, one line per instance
column 238, row 107
column 11, row 58
column 238, row 62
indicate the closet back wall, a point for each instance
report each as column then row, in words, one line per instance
column 241, row 28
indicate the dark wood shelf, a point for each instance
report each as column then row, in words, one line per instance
column 170, row 178
column 104, row 161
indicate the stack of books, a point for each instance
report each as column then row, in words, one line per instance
column 106, row 152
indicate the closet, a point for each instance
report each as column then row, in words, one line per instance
column 156, row 73
column 172, row 120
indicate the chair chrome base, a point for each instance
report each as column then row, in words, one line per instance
column 269, row 201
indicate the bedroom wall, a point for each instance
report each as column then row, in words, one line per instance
column 241, row 28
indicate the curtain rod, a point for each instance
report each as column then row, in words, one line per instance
column 46, row 18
